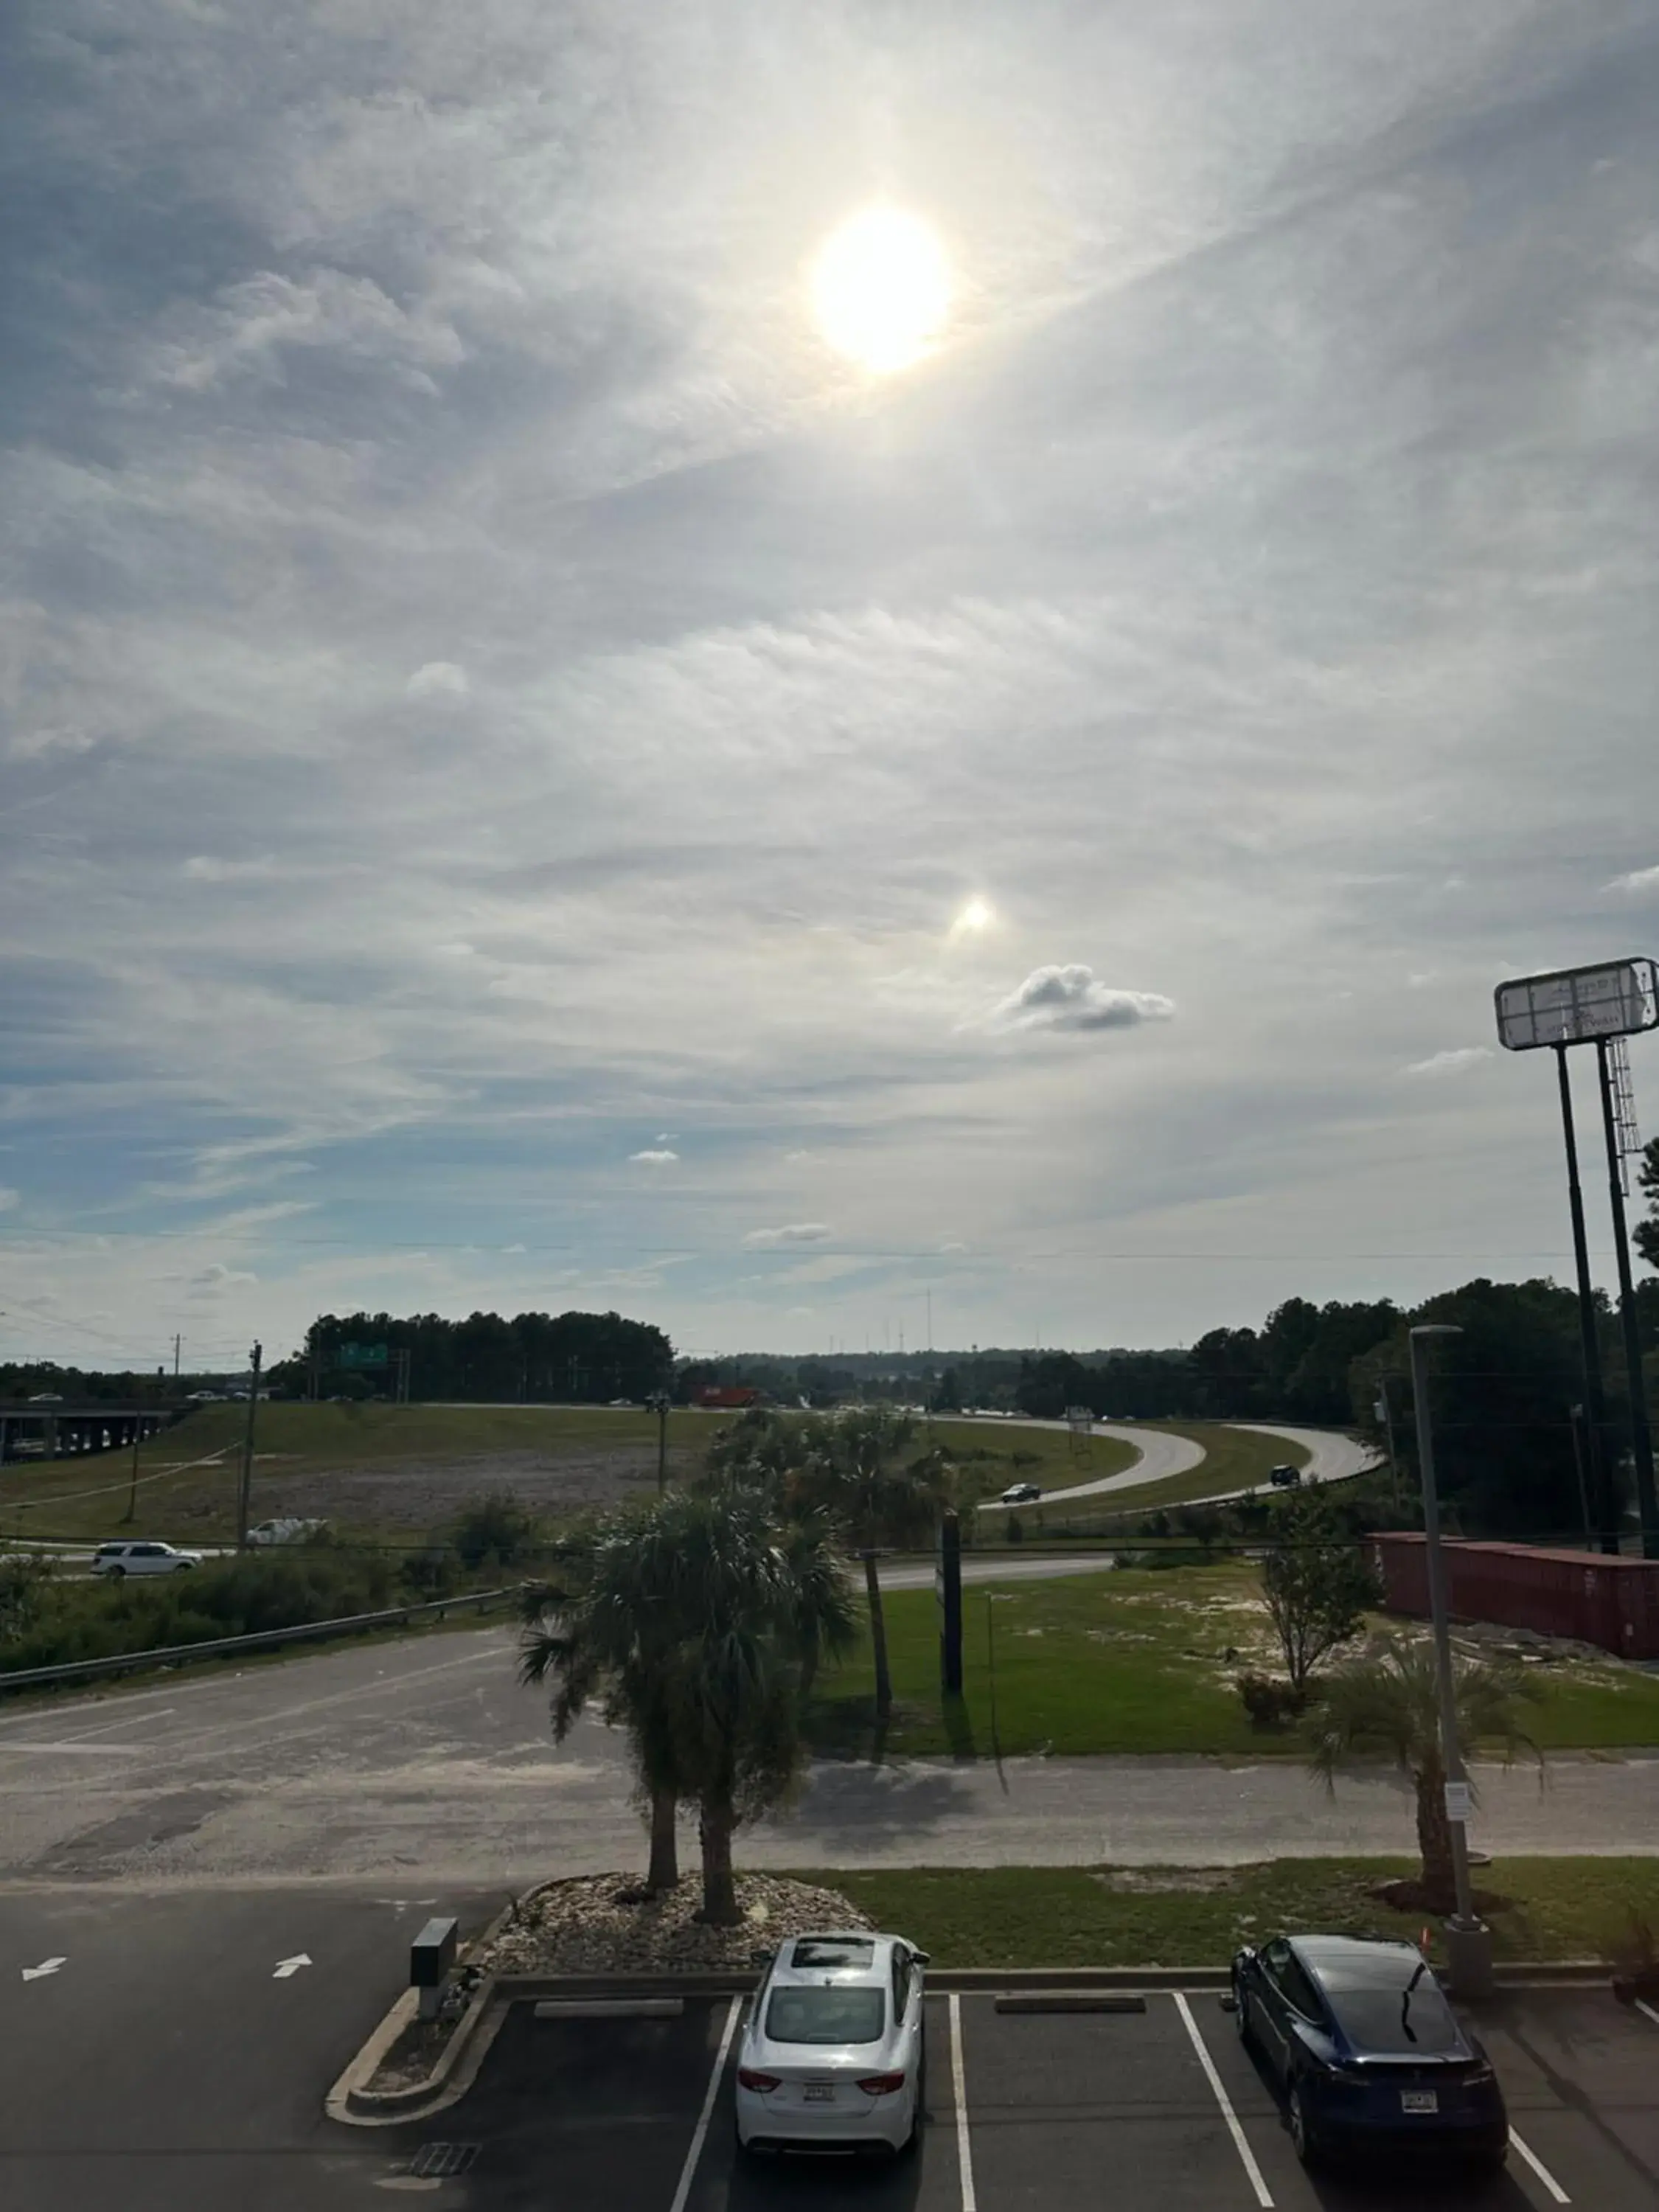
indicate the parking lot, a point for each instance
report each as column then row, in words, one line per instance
column 1159, row 2108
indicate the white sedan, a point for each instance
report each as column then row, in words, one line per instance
column 832, row 2056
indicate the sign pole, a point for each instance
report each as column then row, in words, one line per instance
column 1641, row 1434
column 1595, row 1423
column 246, row 1482
column 947, row 1581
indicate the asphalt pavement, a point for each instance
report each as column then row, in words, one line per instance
column 425, row 1759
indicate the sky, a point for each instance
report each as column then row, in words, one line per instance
column 530, row 776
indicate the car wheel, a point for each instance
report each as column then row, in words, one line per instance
column 115, row 1574
column 185, row 1567
column 1303, row 2141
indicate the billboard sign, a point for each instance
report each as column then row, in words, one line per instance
column 1575, row 1006
column 362, row 1355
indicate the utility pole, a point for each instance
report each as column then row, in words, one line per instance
column 1468, row 1940
column 177, row 1343
column 246, row 1484
column 1641, row 1436
column 131, row 1513
column 658, row 1402
column 1595, row 1431
column 1385, row 1414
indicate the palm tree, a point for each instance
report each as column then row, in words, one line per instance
column 1388, row 1700
column 854, row 1470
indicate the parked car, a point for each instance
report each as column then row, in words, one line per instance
column 288, row 1529
column 1284, row 1477
column 118, row 1560
column 833, row 2056
column 1367, row 2051
column 1020, row 1493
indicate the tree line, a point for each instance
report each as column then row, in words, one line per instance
column 534, row 1358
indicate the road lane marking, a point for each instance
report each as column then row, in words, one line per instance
column 1262, row 2195
column 287, row 1968
column 689, row 2169
column 46, row 1966
column 1648, row 2008
column 1540, row 2170
column 85, row 1750
column 959, row 2095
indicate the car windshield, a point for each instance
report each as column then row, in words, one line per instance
column 844, row 2013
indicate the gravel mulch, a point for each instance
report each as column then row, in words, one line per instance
column 600, row 1924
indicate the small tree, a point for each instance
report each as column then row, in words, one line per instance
column 1316, row 1584
column 1388, row 1701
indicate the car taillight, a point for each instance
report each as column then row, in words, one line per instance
column 750, row 2080
column 1479, row 2077
column 881, row 2084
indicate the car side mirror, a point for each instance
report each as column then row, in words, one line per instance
column 922, row 1958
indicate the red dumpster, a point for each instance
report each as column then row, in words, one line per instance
column 1587, row 1595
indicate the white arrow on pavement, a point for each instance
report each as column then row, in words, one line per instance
column 46, row 1966
column 285, row 1967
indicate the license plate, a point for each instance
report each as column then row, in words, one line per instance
column 818, row 2092
column 1419, row 2100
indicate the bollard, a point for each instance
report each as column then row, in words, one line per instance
column 431, row 1955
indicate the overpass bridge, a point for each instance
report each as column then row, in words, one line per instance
column 30, row 1431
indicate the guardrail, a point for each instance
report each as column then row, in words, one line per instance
column 268, row 1639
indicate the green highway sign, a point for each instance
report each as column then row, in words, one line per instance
column 362, row 1355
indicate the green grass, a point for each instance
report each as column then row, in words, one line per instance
column 993, row 1455
column 1133, row 1661
column 1011, row 1917
column 1235, row 1459
column 52, row 1499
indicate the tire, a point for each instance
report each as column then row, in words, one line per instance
column 115, row 1574
column 1303, row 2139
column 185, row 1567
column 1242, row 2026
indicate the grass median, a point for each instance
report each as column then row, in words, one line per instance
column 1014, row 1916
column 1134, row 1660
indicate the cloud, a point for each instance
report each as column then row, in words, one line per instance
column 1641, row 883
column 9, row 1197
column 654, row 1158
column 217, row 1277
column 1069, row 998
column 1458, row 1062
column 793, row 1232
column 513, row 1251
column 438, row 679
column 204, row 868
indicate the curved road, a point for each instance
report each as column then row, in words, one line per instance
column 1159, row 1455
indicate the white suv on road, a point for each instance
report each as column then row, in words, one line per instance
column 116, row 1561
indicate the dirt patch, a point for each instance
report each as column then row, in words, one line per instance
column 1164, row 1881
column 603, row 1924
column 1408, row 1895
column 423, row 1494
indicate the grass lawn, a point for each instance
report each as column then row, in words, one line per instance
column 1132, row 1660
column 187, row 1474
column 1559, row 1908
column 994, row 1454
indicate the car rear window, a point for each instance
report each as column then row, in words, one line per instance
column 827, row 1952
column 851, row 2013
column 1392, row 2021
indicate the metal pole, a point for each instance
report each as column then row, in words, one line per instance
column 1595, row 1403
column 1575, row 1419
column 662, row 1442
column 1641, row 1436
column 1468, row 1943
column 247, row 1484
column 132, row 1491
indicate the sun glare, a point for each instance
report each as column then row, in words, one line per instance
column 881, row 288
column 977, row 914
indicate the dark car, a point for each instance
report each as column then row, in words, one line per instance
column 1368, row 2052
column 1285, row 1478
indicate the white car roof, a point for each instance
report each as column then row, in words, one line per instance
column 808, row 1961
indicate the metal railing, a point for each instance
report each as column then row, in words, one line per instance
column 267, row 1639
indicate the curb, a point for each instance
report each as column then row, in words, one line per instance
column 354, row 2103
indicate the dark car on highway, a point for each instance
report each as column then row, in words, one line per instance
column 1369, row 2054
column 1284, row 1477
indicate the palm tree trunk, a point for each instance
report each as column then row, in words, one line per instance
column 808, row 1671
column 720, row 1889
column 664, row 1869
column 879, row 1639
column 1434, row 1837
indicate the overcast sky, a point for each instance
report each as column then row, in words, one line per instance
column 528, row 779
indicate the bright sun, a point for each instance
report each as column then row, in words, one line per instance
column 977, row 914
column 881, row 288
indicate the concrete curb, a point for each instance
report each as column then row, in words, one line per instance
column 352, row 2101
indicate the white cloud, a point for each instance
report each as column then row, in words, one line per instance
column 216, row 1276
column 800, row 1159
column 1458, row 1062
column 1640, row 883
column 9, row 1199
column 438, row 679
column 654, row 1158
column 204, row 868
column 513, row 1251
column 793, row 1232
column 1069, row 998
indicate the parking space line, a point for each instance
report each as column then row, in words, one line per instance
column 1540, row 2169
column 689, row 2169
column 1263, row 2196
column 959, row 2098
column 1648, row 2008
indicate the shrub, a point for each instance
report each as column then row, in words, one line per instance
column 1270, row 1703
column 496, row 1531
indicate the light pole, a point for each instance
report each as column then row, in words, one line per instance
column 658, row 1402
column 1468, row 1940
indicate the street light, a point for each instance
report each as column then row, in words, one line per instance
column 1468, row 1940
